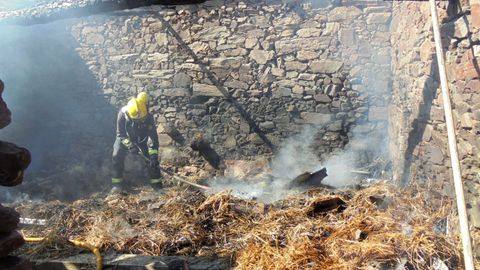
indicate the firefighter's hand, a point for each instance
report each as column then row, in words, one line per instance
column 130, row 146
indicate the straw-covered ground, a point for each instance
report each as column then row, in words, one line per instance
column 319, row 229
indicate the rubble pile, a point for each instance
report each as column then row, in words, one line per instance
column 344, row 229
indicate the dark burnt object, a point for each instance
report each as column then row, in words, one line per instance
column 322, row 206
column 14, row 161
column 308, row 179
column 203, row 147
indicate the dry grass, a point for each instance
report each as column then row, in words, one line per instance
column 379, row 224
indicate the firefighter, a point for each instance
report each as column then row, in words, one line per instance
column 136, row 133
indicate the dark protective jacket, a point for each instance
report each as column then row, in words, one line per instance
column 137, row 131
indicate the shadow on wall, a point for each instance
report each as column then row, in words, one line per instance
column 57, row 109
column 431, row 85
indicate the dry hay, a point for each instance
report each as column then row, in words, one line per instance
column 355, row 229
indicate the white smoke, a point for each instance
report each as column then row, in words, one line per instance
column 297, row 155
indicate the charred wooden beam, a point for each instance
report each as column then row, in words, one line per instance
column 309, row 179
column 321, row 206
column 14, row 160
column 199, row 144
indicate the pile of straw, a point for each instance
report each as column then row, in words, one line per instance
column 379, row 225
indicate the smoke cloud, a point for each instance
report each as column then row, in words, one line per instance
column 57, row 110
column 298, row 155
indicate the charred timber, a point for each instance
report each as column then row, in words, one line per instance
column 203, row 147
column 14, row 160
column 45, row 13
column 308, row 179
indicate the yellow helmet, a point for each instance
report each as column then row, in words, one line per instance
column 142, row 98
column 137, row 107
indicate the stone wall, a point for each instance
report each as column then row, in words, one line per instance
column 285, row 65
column 419, row 136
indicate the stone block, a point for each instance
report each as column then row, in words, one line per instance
column 335, row 126
column 251, row 42
column 199, row 47
column 226, row 62
column 261, row 56
column 297, row 89
column 267, row 125
column 475, row 12
column 213, row 33
column 164, row 140
column 161, row 38
column 426, row 51
column 434, row 155
column 123, row 57
column 331, row 28
column 304, row 55
column 374, row 9
column 476, row 50
column 307, row 77
column 153, row 74
column 309, row 32
column 230, row 142
column 344, row 13
column 467, row 121
column 347, row 36
column 378, row 18
column 325, row 66
column 322, row 98
column 182, row 80
column 437, row 114
column 175, row 92
column 461, row 27
column 296, row 44
column 331, row 90
column 316, row 118
column 296, row 66
column 157, row 57
column 278, row 72
column 236, row 84
column 427, row 133
column 200, row 89
column 255, row 139
column 281, row 92
column 474, row 214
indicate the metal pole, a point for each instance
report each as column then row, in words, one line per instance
column 452, row 143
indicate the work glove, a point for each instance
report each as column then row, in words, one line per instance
column 130, row 146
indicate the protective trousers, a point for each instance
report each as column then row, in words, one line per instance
column 118, row 162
